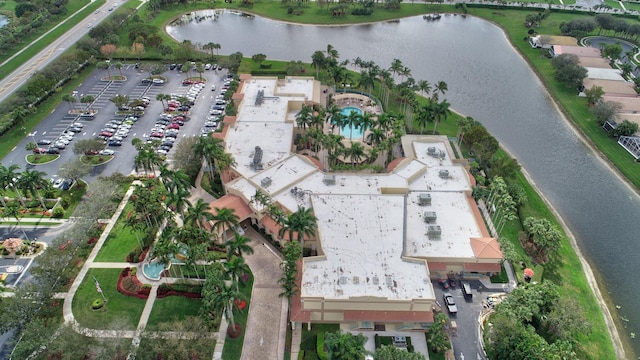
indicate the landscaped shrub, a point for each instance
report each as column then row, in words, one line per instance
column 320, row 347
column 58, row 212
column 130, row 285
column 301, row 355
column 97, row 304
column 186, row 290
column 134, row 271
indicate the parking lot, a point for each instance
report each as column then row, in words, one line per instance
column 60, row 120
column 465, row 340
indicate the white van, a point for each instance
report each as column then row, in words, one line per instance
column 213, row 87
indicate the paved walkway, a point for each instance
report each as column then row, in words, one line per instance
column 266, row 327
column 513, row 282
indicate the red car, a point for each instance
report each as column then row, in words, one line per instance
column 156, row 134
column 173, row 126
column 178, row 118
column 106, row 133
column 39, row 151
column 170, row 109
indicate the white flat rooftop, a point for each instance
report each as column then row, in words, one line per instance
column 456, row 220
column 272, row 137
column 284, row 174
column 363, row 254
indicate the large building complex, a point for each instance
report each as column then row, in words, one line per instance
column 381, row 238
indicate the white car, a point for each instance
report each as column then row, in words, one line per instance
column 77, row 124
column 106, row 152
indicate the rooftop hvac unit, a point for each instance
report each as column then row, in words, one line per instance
column 444, row 174
column 424, row 199
column 434, row 230
column 431, row 150
column 329, row 179
column 265, row 182
column 430, row 216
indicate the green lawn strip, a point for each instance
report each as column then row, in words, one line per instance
column 14, row 136
column 632, row 6
column 310, row 338
column 170, row 309
column 148, row 349
column 75, row 194
column 614, row 4
column 433, row 355
column 233, row 347
column 41, row 159
column 121, row 312
column 33, row 50
column 120, row 242
column 30, row 223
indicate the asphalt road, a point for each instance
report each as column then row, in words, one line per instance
column 18, row 77
column 60, row 119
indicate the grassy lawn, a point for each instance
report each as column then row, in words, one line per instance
column 170, row 309
column 41, row 159
column 310, row 338
column 121, row 240
column 121, row 312
column 152, row 349
column 233, row 347
column 95, row 159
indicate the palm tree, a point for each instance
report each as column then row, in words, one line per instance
column 209, row 148
column 209, row 46
column 198, row 214
column 334, row 146
column 235, row 267
column 303, row 117
column 162, row 98
column 69, row 99
column 424, row 115
column 88, row 99
column 332, row 53
column 425, row 87
column 366, row 121
column 180, row 200
column 396, row 67
column 441, row 87
column 8, row 177
column 318, row 61
column 238, row 246
column 31, row 181
column 355, row 152
column 302, row 222
column 376, row 136
column 225, row 219
column 441, row 111
column 314, row 137
column 225, row 304
column 13, row 210
column 175, row 181
column 353, row 120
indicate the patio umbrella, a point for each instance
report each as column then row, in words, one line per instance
column 528, row 272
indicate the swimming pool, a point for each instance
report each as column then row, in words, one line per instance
column 348, row 131
column 153, row 269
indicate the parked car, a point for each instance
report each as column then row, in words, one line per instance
column 147, row 81
column 450, row 303
column 211, row 124
column 114, row 143
column 466, row 290
column 107, row 152
column 44, row 142
column 53, row 150
column 179, row 122
column 60, row 145
column 75, row 129
column 156, row 135
column 173, row 126
column 91, row 152
column 207, row 66
column 158, row 81
column 106, row 133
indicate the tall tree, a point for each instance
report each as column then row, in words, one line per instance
column 302, row 223
column 225, row 219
